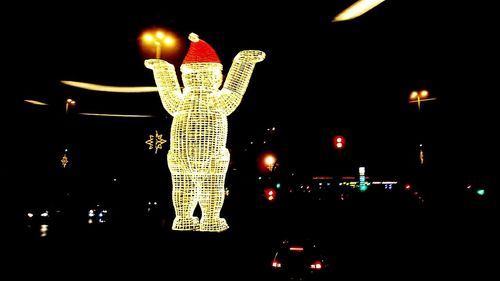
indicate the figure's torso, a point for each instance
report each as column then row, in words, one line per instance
column 199, row 129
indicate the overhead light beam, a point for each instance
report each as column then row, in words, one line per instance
column 357, row 9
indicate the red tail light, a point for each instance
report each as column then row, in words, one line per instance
column 276, row 264
column 316, row 265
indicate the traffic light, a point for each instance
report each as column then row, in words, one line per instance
column 270, row 194
column 338, row 142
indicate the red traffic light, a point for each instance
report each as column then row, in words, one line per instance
column 270, row 194
column 338, row 142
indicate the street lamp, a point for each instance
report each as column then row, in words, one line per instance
column 267, row 162
column 158, row 37
column 420, row 96
column 270, row 162
column 68, row 103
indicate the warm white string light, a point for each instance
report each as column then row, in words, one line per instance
column 198, row 158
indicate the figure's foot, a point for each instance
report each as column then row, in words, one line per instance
column 213, row 225
column 186, row 224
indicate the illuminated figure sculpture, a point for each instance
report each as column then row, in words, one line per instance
column 198, row 158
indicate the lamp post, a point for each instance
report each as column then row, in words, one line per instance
column 68, row 103
column 158, row 38
column 270, row 162
column 267, row 162
column 418, row 97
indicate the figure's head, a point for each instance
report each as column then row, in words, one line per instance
column 201, row 66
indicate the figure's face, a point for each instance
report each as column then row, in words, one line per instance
column 208, row 75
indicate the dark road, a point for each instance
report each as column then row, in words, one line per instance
column 361, row 242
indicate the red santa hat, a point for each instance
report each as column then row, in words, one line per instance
column 200, row 52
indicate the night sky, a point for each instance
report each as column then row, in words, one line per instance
column 319, row 79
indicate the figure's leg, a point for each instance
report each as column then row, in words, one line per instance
column 212, row 195
column 184, row 197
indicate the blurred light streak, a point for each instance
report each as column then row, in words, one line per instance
column 357, row 9
column 113, row 89
column 412, row 101
column 35, row 102
column 117, row 115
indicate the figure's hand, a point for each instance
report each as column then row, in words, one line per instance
column 254, row 56
column 155, row 63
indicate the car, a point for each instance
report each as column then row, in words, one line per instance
column 301, row 259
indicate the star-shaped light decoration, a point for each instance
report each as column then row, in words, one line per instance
column 159, row 141
column 64, row 160
column 155, row 141
column 150, row 142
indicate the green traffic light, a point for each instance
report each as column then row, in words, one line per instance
column 480, row 192
column 278, row 185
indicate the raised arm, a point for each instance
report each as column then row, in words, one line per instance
column 167, row 83
column 238, row 78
